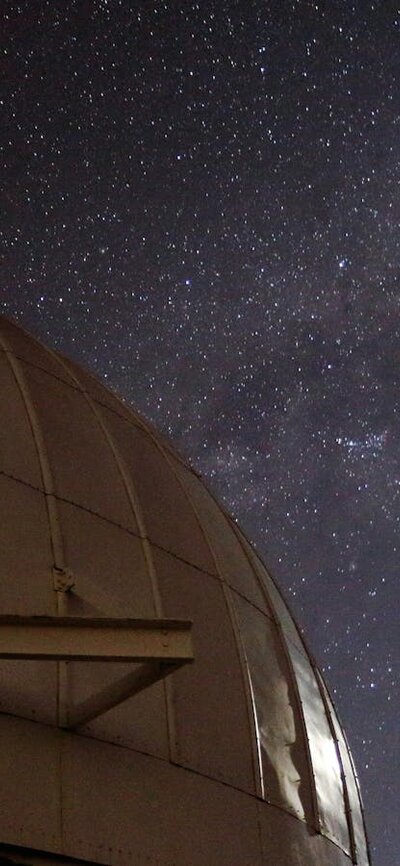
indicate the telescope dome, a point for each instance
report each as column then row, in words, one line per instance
column 236, row 758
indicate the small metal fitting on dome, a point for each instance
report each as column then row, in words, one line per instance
column 63, row 579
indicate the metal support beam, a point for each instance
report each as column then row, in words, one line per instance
column 115, row 693
column 161, row 646
column 94, row 639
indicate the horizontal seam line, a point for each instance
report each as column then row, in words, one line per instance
column 154, row 544
column 133, row 419
column 106, row 520
column 185, row 767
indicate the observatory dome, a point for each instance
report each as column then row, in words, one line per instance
column 236, row 758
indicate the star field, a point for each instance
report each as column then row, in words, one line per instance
column 200, row 202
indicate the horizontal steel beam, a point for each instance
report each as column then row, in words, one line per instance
column 97, row 639
column 161, row 645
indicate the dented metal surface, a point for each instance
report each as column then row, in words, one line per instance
column 236, row 759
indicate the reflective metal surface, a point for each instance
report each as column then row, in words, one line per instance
column 280, row 734
column 360, row 847
column 236, row 760
column 324, row 757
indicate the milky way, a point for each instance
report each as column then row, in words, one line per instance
column 200, row 202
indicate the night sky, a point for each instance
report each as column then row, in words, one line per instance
column 200, row 202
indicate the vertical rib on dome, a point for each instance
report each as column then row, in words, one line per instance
column 239, row 758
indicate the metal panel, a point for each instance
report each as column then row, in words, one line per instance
column 164, row 645
column 120, row 806
column 109, row 571
column 30, row 784
column 27, row 348
column 83, row 466
column 18, row 455
column 232, row 562
column 135, row 681
column 168, row 518
column 283, row 753
column 152, row 812
column 17, row 856
column 288, row 842
column 277, row 602
column 45, row 468
column 355, row 808
column 358, row 821
column 212, row 724
column 138, row 723
column 29, row 689
column 327, row 771
column 130, row 490
column 26, row 585
column 26, row 688
column 111, row 577
column 102, row 395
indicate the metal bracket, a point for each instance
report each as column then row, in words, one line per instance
column 63, row 579
column 162, row 646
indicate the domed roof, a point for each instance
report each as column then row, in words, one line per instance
column 236, row 759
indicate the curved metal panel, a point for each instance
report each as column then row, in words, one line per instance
column 355, row 814
column 152, row 812
column 155, row 780
column 303, row 756
column 29, row 689
column 16, row 855
column 286, row 779
column 42, row 455
column 138, row 723
column 245, row 680
column 170, row 523
column 276, row 599
column 18, row 455
column 26, row 348
column 327, row 771
column 232, row 563
column 212, row 726
column 30, row 783
column 100, row 393
column 288, row 842
column 82, row 464
column 108, row 567
column 26, row 585
column 111, row 577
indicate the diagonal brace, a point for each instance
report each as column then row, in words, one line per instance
column 115, row 693
column 160, row 645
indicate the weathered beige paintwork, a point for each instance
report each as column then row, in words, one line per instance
column 235, row 760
